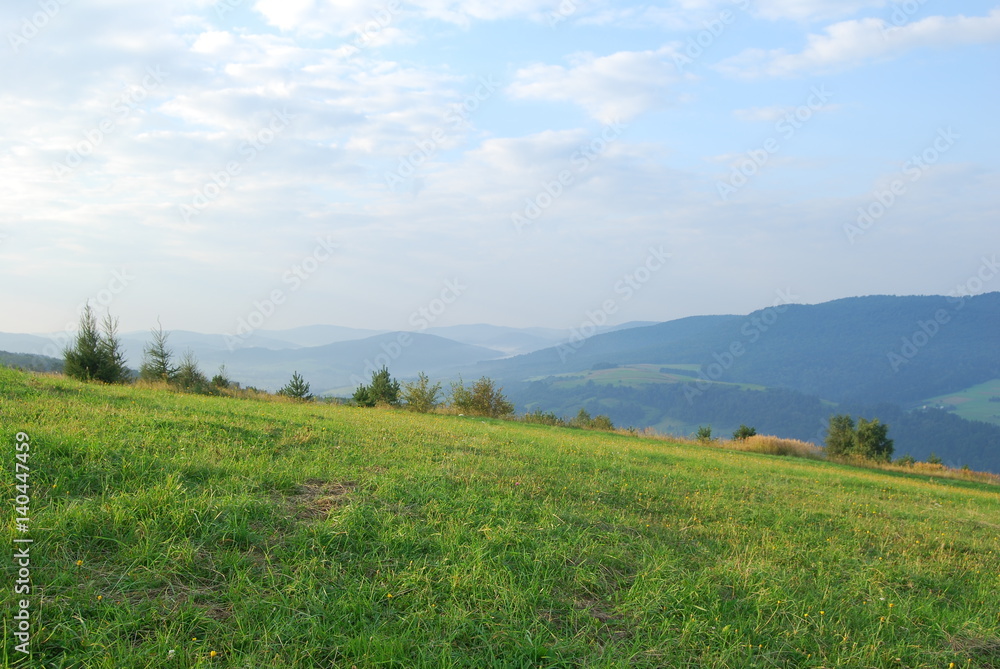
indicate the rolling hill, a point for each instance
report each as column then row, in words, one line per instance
column 178, row 530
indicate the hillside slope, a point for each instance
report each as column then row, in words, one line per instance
column 167, row 527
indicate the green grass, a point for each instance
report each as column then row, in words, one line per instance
column 973, row 403
column 290, row 535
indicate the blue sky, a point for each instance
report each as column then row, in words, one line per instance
column 292, row 162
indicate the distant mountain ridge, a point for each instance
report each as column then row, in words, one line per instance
column 863, row 349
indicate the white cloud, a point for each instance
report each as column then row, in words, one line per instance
column 754, row 114
column 377, row 23
column 620, row 86
column 852, row 43
column 812, row 10
column 213, row 42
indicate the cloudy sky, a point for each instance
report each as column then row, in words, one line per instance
column 530, row 162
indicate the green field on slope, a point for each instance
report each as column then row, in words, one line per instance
column 637, row 375
column 973, row 403
column 167, row 527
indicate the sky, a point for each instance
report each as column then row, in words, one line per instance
column 403, row 164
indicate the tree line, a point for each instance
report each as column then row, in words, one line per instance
column 96, row 355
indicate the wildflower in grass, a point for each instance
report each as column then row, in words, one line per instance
column 212, row 654
column 100, row 597
column 79, row 563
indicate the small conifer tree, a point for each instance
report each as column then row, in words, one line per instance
column 297, row 388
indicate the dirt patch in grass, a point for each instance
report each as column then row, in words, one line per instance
column 984, row 651
column 315, row 498
column 596, row 610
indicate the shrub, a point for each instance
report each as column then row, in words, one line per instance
column 221, row 379
column 866, row 440
column 602, row 422
column 777, row 446
column 483, row 399
column 421, row 395
column 840, row 439
column 584, row 420
column 872, row 442
column 188, row 377
column 743, row 432
column 704, row 434
column 383, row 390
column 546, row 418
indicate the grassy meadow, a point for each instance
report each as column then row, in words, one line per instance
column 175, row 530
column 974, row 403
column 638, row 375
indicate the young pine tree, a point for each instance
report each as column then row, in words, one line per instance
column 189, row 377
column 297, row 388
column 83, row 359
column 114, row 369
column 157, row 358
column 96, row 356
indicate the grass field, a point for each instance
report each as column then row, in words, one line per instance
column 973, row 403
column 181, row 531
column 637, row 375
